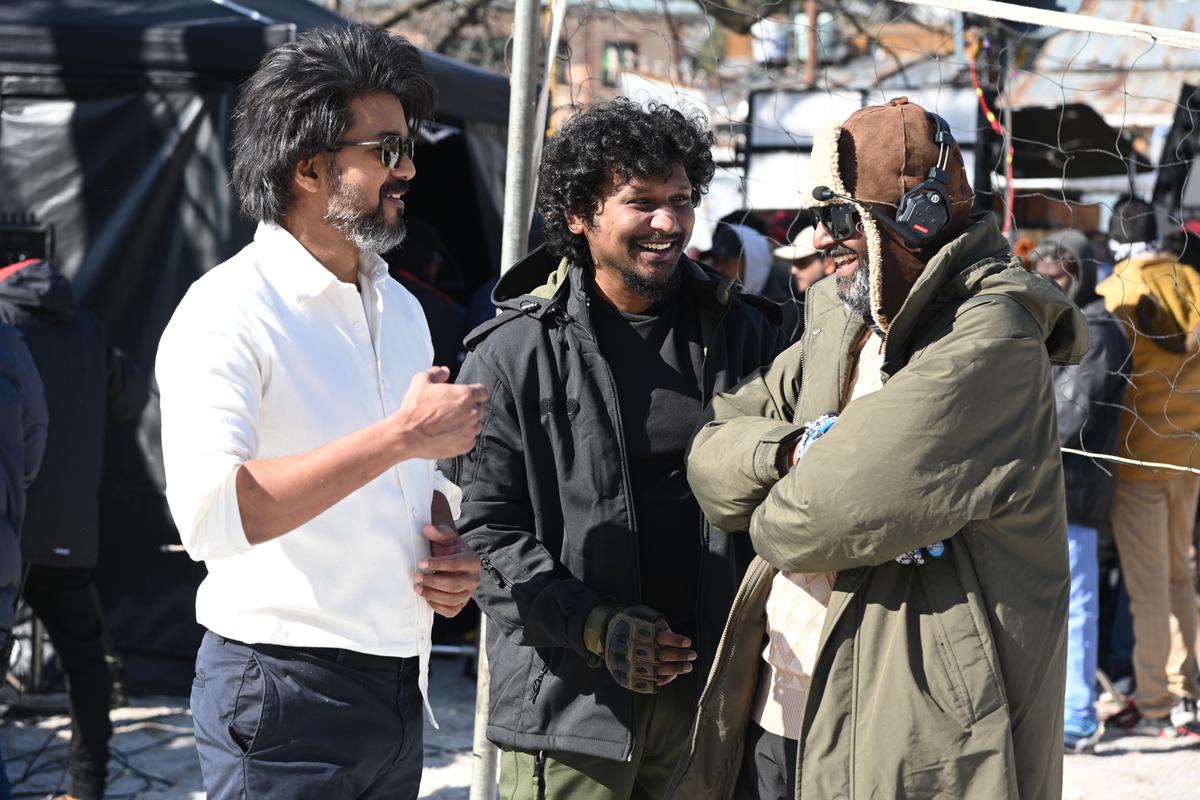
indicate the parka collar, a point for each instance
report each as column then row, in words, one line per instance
column 979, row 261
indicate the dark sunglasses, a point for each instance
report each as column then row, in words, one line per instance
column 841, row 220
column 391, row 148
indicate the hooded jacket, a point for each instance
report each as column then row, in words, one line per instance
column 1089, row 395
column 83, row 379
column 942, row 680
column 547, row 501
column 22, row 441
column 1157, row 301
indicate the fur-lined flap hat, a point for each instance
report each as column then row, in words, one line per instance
column 876, row 155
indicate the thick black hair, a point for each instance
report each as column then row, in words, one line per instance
column 297, row 103
column 620, row 140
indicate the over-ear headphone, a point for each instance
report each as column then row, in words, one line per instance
column 924, row 210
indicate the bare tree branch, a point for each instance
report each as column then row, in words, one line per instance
column 862, row 30
column 464, row 13
column 407, row 10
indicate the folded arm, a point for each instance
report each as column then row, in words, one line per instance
column 946, row 441
column 733, row 460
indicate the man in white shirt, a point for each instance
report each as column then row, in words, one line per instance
column 298, row 467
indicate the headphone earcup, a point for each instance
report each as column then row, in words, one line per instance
column 924, row 211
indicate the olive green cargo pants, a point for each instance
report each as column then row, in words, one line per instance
column 661, row 725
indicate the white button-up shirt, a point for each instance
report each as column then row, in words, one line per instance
column 270, row 355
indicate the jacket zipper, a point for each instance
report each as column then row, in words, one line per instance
column 537, row 683
column 705, row 529
column 625, row 479
column 803, row 362
column 539, row 774
column 485, row 563
column 857, row 602
column 738, row 600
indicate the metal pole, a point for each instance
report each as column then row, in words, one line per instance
column 518, row 210
column 810, row 63
column 960, row 47
column 523, row 134
column 487, row 757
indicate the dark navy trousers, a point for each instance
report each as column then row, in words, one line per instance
column 300, row 723
column 768, row 766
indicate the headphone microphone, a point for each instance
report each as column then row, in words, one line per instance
column 824, row 194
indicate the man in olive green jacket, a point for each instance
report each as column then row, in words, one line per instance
column 932, row 676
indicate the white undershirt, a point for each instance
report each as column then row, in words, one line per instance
column 797, row 604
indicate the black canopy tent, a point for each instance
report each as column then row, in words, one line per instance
column 1070, row 141
column 114, row 135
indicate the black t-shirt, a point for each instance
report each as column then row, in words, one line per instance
column 657, row 362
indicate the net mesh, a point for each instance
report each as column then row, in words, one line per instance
column 1057, row 123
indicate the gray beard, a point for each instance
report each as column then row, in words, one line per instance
column 368, row 230
column 858, row 296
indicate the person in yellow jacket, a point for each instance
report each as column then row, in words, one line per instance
column 1157, row 299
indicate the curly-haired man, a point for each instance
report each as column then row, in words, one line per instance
column 606, row 585
column 298, row 467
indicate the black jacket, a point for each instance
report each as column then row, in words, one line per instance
column 1089, row 397
column 83, row 377
column 22, row 440
column 548, row 506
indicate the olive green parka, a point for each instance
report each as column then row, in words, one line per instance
column 943, row 680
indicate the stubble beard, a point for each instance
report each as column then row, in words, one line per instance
column 367, row 228
column 652, row 289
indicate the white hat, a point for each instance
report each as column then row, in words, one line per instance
column 801, row 247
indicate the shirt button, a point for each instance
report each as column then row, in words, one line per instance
column 416, row 513
column 358, row 326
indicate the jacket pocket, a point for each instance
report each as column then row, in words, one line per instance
column 966, row 654
column 945, row 674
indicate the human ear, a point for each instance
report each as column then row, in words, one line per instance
column 309, row 174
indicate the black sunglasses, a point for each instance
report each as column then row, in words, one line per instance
column 841, row 220
column 390, row 148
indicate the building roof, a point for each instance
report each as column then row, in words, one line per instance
column 1128, row 81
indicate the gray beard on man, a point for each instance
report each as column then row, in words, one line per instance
column 367, row 228
column 857, row 296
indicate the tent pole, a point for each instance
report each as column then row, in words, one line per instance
column 518, row 210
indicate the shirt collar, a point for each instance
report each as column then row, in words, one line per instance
column 293, row 269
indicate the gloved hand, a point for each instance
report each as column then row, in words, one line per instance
column 627, row 639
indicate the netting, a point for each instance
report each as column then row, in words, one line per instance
column 1058, row 123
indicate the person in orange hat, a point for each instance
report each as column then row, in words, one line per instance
column 903, row 631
